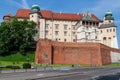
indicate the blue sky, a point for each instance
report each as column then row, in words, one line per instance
column 98, row 7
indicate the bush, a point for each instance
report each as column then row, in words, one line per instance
column 13, row 67
column 26, row 66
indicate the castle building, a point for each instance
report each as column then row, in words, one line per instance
column 68, row 27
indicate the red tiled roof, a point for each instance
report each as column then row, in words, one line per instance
column 66, row 16
column 23, row 13
column 95, row 17
column 8, row 15
column 47, row 14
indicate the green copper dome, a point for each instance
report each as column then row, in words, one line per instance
column 35, row 9
column 108, row 15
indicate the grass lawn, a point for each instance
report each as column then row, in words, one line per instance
column 113, row 65
column 16, row 59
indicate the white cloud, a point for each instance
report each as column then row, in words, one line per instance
column 25, row 4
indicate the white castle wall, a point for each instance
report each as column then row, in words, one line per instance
column 115, row 57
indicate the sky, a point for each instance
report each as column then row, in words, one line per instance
column 97, row 7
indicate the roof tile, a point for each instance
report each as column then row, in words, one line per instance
column 47, row 14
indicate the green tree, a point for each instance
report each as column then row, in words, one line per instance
column 16, row 36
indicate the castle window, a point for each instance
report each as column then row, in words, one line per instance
column 73, row 33
column 56, row 33
column 90, row 23
column 86, row 37
column 73, row 27
column 32, row 16
column 97, row 24
column 46, row 26
column 110, row 30
column 56, row 39
column 65, row 27
column 86, row 23
column 104, row 38
column 95, row 37
column 109, row 21
column 56, row 26
column 113, row 30
column 83, row 22
column 101, row 31
column 87, row 28
column 95, row 31
column 73, row 40
column 93, row 23
column 65, row 33
column 65, row 40
column 46, row 32
column 109, row 37
column 107, row 30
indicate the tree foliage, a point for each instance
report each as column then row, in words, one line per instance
column 16, row 36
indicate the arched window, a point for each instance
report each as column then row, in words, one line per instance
column 83, row 22
column 113, row 30
column 104, row 40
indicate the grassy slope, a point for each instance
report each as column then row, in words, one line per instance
column 15, row 59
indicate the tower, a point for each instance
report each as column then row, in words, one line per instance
column 108, row 18
column 108, row 34
column 35, row 16
column 108, row 31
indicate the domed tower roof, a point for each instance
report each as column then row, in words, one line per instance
column 108, row 15
column 35, row 8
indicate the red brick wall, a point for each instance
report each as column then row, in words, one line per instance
column 72, row 53
column 43, row 50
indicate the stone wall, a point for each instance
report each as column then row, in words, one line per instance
column 49, row 52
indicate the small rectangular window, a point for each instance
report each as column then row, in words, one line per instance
column 110, row 30
column 65, row 40
column 46, row 26
column 65, row 27
column 56, row 26
column 74, row 40
column 65, row 33
column 73, row 33
column 46, row 33
column 113, row 30
column 56, row 33
column 101, row 31
column 73, row 27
